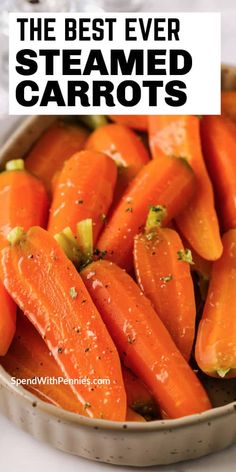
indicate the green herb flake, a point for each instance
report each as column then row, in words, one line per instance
column 60, row 350
column 73, row 293
column 185, row 255
column 166, row 278
column 79, row 202
column 222, row 372
column 129, row 209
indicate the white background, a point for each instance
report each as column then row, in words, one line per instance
column 204, row 48
column 18, row 451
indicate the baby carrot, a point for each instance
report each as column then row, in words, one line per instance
column 23, row 201
column 29, row 358
column 124, row 147
column 216, row 339
column 163, row 273
column 84, row 189
column 138, row 122
column 165, row 181
column 142, row 340
column 55, row 146
column 49, row 290
column 179, row 136
column 7, row 320
column 219, row 147
column 132, row 415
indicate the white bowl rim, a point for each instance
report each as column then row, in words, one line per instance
column 131, row 426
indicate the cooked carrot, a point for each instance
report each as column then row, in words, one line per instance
column 124, row 147
column 47, row 287
column 163, row 273
column 142, row 340
column 216, row 339
column 179, row 136
column 84, row 190
column 23, row 201
column 132, row 415
column 7, row 320
column 166, row 181
column 139, row 398
column 139, row 122
column 228, row 104
column 29, row 358
column 54, row 147
column 219, row 146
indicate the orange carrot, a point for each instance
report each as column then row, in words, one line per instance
column 23, row 201
column 142, row 340
column 168, row 182
column 139, row 122
column 219, row 146
column 55, row 146
column 163, row 273
column 84, row 189
column 139, row 398
column 29, row 358
column 132, row 415
column 228, row 104
column 7, row 320
column 124, row 147
column 215, row 348
column 179, row 136
column 47, row 287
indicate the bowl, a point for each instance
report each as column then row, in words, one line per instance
column 129, row 443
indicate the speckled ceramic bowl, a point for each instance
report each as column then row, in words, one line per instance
column 134, row 444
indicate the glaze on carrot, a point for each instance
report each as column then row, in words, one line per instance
column 138, row 122
column 144, row 344
column 163, row 273
column 84, row 189
column 166, row 181
column 179, row 136
column 124, row 147
column 215, row 347
column 59, row 142
column 219, row 147
column 47, row 287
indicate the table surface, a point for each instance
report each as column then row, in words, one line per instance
column 19, row 451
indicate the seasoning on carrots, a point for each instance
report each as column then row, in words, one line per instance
column 41, row 287
column 59, row 142
column 124, row 147
column 215, row 347
column 152, row 354
column 84, row 190
column 168, row 182
column 163, row 273
column 179, row 136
